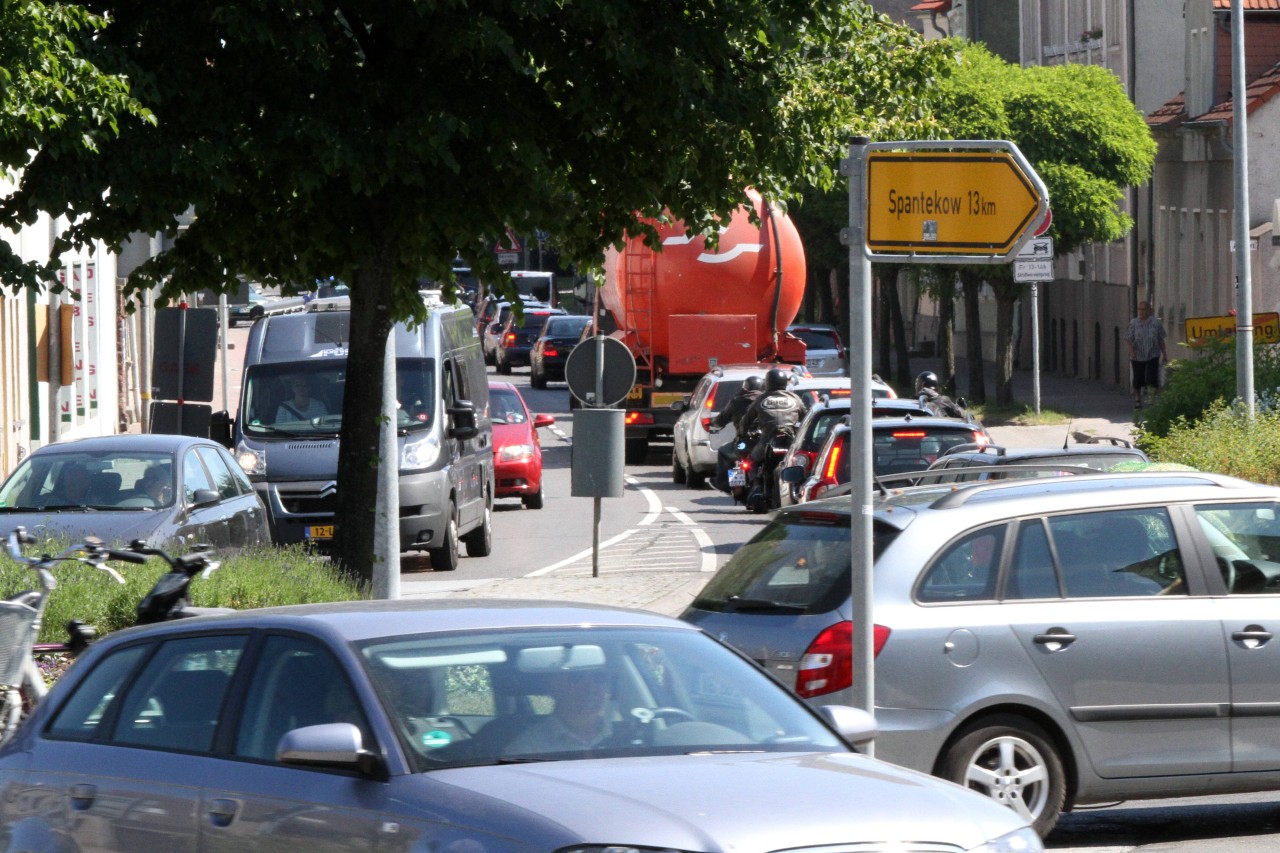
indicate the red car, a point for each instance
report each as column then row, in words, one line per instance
column 517, row 452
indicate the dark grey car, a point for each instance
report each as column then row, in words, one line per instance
column 99, row 486
column 1051, row 642
column 415, row 726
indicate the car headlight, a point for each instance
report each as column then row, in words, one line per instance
column 1022, row 840
column 254, row 462
column 514, row 453
column 419, row 453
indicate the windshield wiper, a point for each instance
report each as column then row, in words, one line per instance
column 739, row 604
column 276, row 430
column 60, row 507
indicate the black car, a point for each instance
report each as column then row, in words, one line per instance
column 164, row 489
column 551, row 350
column 518, row 335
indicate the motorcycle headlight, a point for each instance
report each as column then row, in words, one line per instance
column 252, row 461
column 1022, row 840
column 515, row 452
column 419, row 453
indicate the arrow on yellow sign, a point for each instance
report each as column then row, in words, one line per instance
column 978, row 203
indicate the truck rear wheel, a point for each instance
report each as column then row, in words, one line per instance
column 636, row 451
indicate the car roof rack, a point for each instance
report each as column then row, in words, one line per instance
column 966, row 492
column 1089, row 438
column 997, row 449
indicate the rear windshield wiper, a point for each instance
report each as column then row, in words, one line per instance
column 739, row 604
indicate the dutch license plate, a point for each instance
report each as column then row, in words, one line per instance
column 319, row 531
column 737, row 478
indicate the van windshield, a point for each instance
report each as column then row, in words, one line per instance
column 302, row 399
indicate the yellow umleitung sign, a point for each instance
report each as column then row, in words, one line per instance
column 947, row 202
column 1202, row 330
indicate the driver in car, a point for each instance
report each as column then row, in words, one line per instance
column 580, row 719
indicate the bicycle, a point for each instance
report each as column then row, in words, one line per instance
column 21, row 616
column 167, row 598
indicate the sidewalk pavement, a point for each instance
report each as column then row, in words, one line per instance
column 1095, row 409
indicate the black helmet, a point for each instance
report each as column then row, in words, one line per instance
column 753, row 383
column 776, row 379
column 928, row 379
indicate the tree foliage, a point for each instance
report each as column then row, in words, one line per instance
column 376, row 141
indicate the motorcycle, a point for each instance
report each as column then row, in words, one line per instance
column 740, row 473
column 763, row 494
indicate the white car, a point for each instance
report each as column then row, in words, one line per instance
column 825, row 353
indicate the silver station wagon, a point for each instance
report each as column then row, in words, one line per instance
column 1049, row 642
column 458, row 727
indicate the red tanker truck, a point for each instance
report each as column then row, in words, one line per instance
column 686, row 309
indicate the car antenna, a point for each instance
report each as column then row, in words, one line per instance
column 1066, row 438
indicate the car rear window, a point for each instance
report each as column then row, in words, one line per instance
column 912, row 448
column 722, row 392
column 534, row 320
column 800, row 563
column 817, row 338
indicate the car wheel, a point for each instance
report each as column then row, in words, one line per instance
column 445, row 558
column 533, row 501
column 504, row 367
column 636, row 451
column 695, row 480
column 537, row 381
column 1013, row 762
column 489, row 359
column 479, row 542
column 678, row 475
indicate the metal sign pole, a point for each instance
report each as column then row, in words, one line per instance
column 860, row 458
column 1035, row 346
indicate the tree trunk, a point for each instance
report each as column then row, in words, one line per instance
column 372, row 289
column 947, row 337
column 899, row 326
column 971, row 280
column 882, row 330
column 1006, row 302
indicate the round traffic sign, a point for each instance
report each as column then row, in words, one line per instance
column 1044, row 226
column 600, row 364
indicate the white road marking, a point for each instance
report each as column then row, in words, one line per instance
column 580, row 555
column 705, row 545
column 655, row 505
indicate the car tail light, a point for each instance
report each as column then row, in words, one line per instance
column 909, row 433
column 550, row 352
column 706, row 424
column 829, row 472
column 508, row 339
column 981, row 439
column 827, row 665
column 638, row 418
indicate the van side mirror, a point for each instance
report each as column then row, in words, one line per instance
column 462, row 420
column 221, row 428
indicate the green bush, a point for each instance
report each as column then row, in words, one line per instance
column 1192, row 385
column 1221, row 439
column 259, row 578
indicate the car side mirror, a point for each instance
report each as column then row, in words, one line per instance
column 462, row 420
column 541, row 420
column 793, row 474
column 680, row 405
column 336, row 745
column 205, row 497
column 855, row 725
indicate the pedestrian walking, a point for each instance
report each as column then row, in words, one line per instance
column 1146, row 352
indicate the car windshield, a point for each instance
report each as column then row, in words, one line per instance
column 798, row 564
column 104, row 480
column 505, row 406
column 305, row 398
column 492, row 697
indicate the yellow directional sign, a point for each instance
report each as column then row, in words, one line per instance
column 979, row 203
column 1202, row 330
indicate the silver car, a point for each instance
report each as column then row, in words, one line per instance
column 503, row 727
column 1050, row 642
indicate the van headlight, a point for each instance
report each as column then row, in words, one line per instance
column 419, row 452
column 252, row 461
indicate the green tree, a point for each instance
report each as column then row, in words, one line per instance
column 1085, row 139
column 376, row 141
column 52, row 99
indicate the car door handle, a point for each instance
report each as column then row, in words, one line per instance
column 82, row 796
column 1055, row 635
column 222, row 812
column 1252, row 634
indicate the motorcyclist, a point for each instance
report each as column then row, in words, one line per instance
column 929, row 393
column 776, row 409
column 726, row 456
